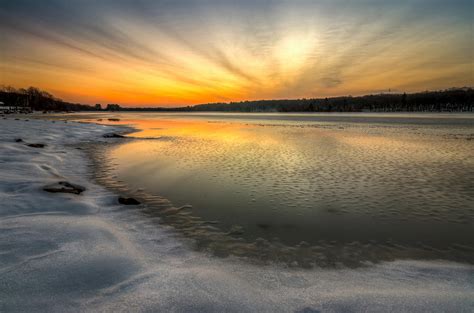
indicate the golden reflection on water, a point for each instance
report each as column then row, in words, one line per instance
column 221, row 131
column 311, row 182
column 384, row 145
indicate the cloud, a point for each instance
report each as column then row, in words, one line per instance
column 184, row 52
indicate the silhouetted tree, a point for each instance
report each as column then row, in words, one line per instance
column 37, row 99
column 113, row 107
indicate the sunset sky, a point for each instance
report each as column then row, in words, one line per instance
column 169, row 53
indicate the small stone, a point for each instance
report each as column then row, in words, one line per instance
column 64, row 187
column 113, row 135
column 128, row 201
column 36, row 145
column 18, row 140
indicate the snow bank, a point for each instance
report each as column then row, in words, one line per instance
column 68, row 253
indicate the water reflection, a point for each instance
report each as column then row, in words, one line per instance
column 311, row 193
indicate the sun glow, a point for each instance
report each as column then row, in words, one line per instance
column 176, row 55
column 294, row 52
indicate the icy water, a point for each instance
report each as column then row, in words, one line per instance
column 306, row 189
column 87, row 253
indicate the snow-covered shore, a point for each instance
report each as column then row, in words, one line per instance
column 70, row 253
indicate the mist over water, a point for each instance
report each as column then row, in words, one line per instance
column 318, row 189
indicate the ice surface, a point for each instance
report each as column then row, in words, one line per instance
column 311, row 193
column 71, row 253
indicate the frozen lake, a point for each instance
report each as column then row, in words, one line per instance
column 311, row 188
column 88, row 253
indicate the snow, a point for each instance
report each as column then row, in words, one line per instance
column 71, row 253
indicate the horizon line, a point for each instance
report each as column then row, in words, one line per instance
column 380, row 92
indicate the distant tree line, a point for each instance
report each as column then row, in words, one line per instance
column 449, row 100
column 38, row 100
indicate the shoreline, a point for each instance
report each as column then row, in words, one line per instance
column 209, row 238
column 88, row 253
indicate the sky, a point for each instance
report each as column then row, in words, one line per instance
column 173, row 53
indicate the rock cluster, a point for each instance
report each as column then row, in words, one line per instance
column 64, row 187
column 128, row 201
column 113, row 135
column 36, row 145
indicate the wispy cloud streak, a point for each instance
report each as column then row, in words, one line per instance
column 185, row 52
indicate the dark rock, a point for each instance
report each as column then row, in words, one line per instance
column 113, row 135
column 64, row 187
column 18, row 140
column 114, row 119
column 36, row 145
column 128, row 201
